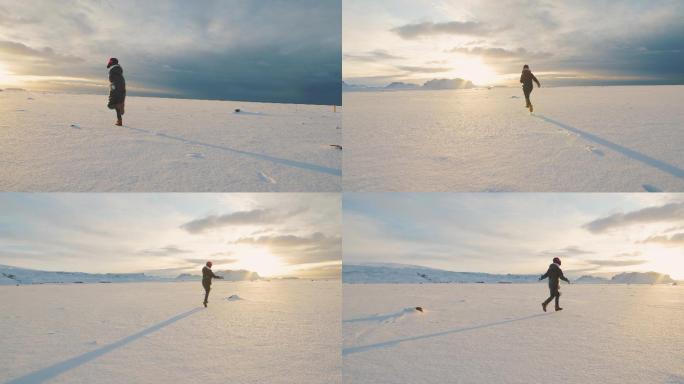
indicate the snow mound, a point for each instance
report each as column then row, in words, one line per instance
column 391, row 317
column 233, row 298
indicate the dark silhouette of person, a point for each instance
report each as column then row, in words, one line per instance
column 207, row 275
column 526, row 78
column 554, row 274
column 117, row 89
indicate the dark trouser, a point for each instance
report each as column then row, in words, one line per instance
column 527, row 91
column 207, row 288
column 119, row 111
column 555, row 293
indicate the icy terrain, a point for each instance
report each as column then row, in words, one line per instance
column 474, row 333
column 14, row 275
column 386, row 273
column 61, row 142
column 617, row 139
column 269, row 332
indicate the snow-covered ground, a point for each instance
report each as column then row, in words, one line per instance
column 269, row 332
column 616, row 139
column 63, row 142
column 474, row 333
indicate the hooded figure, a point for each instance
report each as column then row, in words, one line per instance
column 117, row 89
column 554, row 274
column 207, row 275
column 526, row 79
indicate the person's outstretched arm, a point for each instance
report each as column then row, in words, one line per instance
column 544, row 276
column 536, row 81
column 562, row 277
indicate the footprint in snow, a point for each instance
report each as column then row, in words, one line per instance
column 75, row 126
column 594, row 150
column 195, row 155
column 266, row 178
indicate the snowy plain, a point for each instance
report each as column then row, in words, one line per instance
column 493, row 333
column 66, row 142
column 252, row 332
column 583, row 139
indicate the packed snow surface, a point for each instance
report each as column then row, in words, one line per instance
column 586, row 139
column 63, row 142
column 475, row 333
column 282, row 332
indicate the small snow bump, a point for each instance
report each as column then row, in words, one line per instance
column 195, row 155
column 651, row 188
column 336, row 146
column 233, row 298
column 75, row 126
column 266, row 178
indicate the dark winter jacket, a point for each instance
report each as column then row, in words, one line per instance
column 554, row 273
column 526, row 79
column 117, row 86
column 207, row 275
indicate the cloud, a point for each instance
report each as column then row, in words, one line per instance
column 420, row 69
column 501, row 53
column 665, row 213
column 313, row 248
column 226, row 49
column 169, row 250
column 372, row 56
column 413, row 31
column 253, row 217
column 617, row 263
column 674, row 240
column 569, row 251
column 45, row 55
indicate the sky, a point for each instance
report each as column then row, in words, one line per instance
column 267, row 50
column 583, row 42
column 593, row 234
column 275, row 235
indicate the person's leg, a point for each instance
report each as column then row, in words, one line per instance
column 527, row 92
column 207, row 288
column 557, row 300
column 119, row 120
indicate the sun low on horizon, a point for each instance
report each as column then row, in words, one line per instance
column 172, row 235
column 569, row 43
column 593, row 235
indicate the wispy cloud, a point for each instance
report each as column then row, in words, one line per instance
column 672, row 212
column 469, row 28
column 252, row 217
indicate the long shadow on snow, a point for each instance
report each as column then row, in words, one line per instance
column 386, row 316
column 291, row 163
column 363, row 348
column 655, row 163
column 66, row 365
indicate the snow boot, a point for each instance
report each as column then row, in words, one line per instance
column 544, row 306
column 559, row 309
column 205, row 304
column 119, row 123
column 531, row 108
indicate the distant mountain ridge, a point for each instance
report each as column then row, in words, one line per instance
column 13, row 275
column 434, row 84
column 412, row 274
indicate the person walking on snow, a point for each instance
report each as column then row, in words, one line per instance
column 207, row 275
column 117, row 89
column 554, row 273
column 526, row 78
